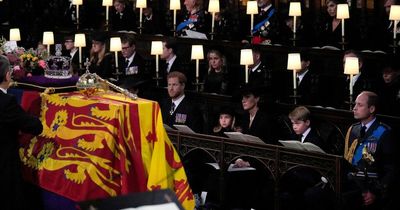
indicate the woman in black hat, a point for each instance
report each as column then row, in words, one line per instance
column 101, row 61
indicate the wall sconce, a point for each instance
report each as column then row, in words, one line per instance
column 351, row 67
column 251, row 10
column 197, row 54
column 174, row 5
column 48, row 39
column 156, row 49
column 395, row 16
column 294, row 10
column 246, row 59
column 80, row 41
column 294, row 64
column 115, row 46
column 77, row 3
column 213, row 7
column 342, row 13
column 107, row 4
column 141, row 4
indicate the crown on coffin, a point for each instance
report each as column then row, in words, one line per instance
column 58, row 67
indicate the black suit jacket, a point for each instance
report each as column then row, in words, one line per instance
column 126, row 21
column 315, row 138
column 260, row 76
column 308, row 89
column 261, row 126
column 185, row 114
column 136, row 68
column 12, row 120
column 175, row 66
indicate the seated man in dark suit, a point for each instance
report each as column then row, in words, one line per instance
column 13, row 119
column 132, row 64
column 307, row 82
column 178, row 109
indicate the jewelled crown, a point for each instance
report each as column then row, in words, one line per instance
column 58, row 67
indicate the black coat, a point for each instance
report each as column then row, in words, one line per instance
column 13, row 119
column 185, row 114
column 261, row 126
column 105, row 68
column 126, row 21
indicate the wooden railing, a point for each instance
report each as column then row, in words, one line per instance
column 277, row 160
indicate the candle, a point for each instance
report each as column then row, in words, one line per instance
column 251, row 23
column 342, row 27
column 197, row 68
column 351, row 84
column 174, row 18
column 212, row 22
column 294, row 24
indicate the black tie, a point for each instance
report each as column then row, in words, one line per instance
column 362, row 131
column 126, row 63
column 171, row 112
column 166, row 67
column 300, row 137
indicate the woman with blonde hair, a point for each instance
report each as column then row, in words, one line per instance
column 216, row 80
column 101, row 61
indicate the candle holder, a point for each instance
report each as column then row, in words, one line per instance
column 294, row 10
column 107, row 4
column 141, row 4
column 351, row 67
column 116, row 46
column 197, row 54
column 157, row 50
column 294, row 64
column 174, row 5
column 252, row 9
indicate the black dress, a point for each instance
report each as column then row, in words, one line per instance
column 216, row 82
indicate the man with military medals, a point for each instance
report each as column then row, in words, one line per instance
column 369, row 149
column 266, row 26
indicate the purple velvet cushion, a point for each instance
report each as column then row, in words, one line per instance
column 49, row 82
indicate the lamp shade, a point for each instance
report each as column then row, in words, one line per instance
column 342, row 11
column 80, row 40
column 351, row 65
column 107, row 2
column 174, row 4
column 213, row 6
column 115, row 44
column 15, row 35
column 141, row 4
column 246, row 57
column 295, row 9
column 156, row 48
column 252, row 7
column 48, row 37
column 197, row 52
column 294, row 61
column 394, row 12
column 77, row 2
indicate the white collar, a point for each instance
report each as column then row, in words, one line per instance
column 301, row 76
column 130, row 59
column 178, row 100
column 368, row 124
column 73, row 52
column 266, row 8
column 170, row 62
column 4, row 90
column 255, row 67
column 304, row 135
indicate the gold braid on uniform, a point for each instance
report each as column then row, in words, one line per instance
column 349, row 152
